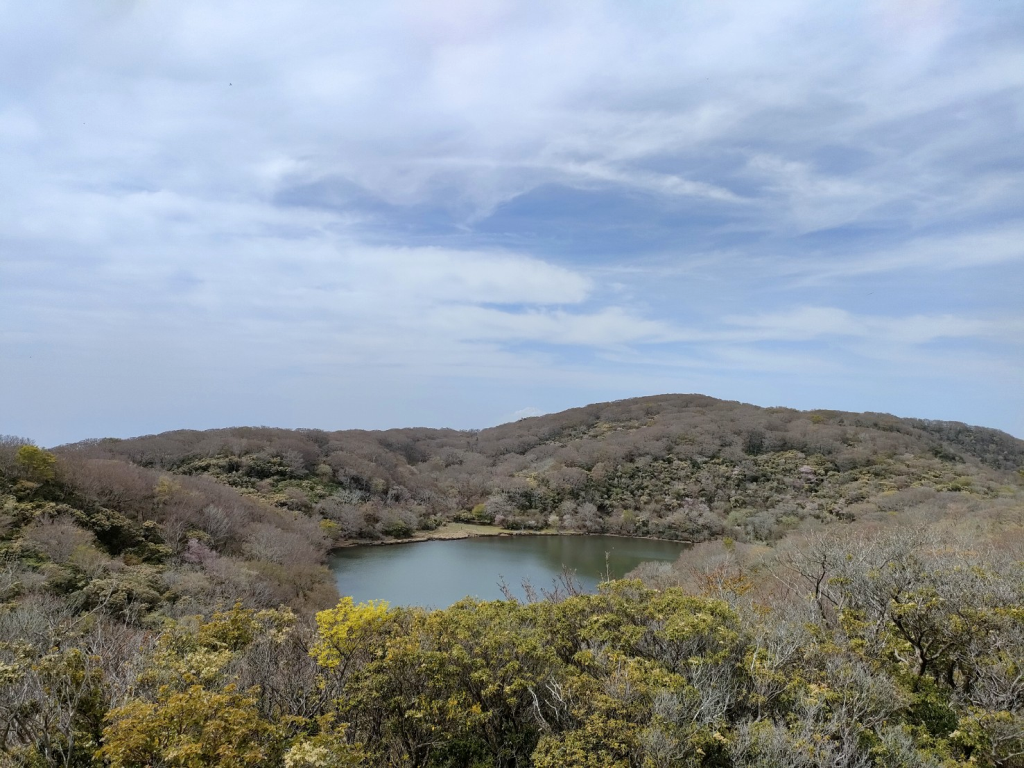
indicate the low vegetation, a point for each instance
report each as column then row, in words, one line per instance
column 857, row 600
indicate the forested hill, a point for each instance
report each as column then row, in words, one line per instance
column 157, row 596
column 675, row 466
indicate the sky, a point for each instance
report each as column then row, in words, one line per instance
column 463, row 212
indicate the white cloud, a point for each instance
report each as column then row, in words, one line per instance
column 664, row 183
column 962, row 250
column 808, row 323
column 427, row 275
column 147, row 148
column 608, row 327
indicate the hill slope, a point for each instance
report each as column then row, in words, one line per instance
column 675, row 466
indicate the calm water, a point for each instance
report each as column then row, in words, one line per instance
column 439, row 573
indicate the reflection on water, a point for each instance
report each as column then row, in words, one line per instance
column 439, row 573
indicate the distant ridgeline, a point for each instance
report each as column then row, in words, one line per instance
column 862, row 607
column 675, row 466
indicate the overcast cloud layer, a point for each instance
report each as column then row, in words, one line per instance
column 456, row 213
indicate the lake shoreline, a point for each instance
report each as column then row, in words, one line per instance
column 450, row 532
column 460, row 531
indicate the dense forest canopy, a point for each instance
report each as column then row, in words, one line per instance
column 675, row 466
column 854, row 599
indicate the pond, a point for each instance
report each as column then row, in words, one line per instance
column 439, row 573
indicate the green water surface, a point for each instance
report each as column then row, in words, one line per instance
column 439, row 573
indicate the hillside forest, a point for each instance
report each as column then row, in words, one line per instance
column 855, row 595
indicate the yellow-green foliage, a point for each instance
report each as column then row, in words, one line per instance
column 196, row 651
column 327, row 749
column 345, row 629
column 35, row 464
column 190, row 729
column 197, row 717
column 630, row 677
column 993, row 738
column 491, row 683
